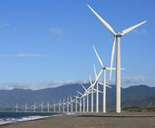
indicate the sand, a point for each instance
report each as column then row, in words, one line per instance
column 112, row 120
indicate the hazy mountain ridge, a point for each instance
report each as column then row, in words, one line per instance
column 140, row 95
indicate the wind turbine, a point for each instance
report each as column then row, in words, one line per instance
column 92, row 95
column 42, row 107
column 76, row 103
column 87, row 97
column 63, row 105
column 104, row 69
column 48, row 107
column 59, row 104
column 97, row 91
column 67, row 104
column 86, row 93
column 54, row 107
column 80, row 103
column 34, row 107
column 72, row 101
column 16, row 107
column 117, row 37
column 25, row 107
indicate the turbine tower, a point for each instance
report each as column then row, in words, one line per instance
column 42, row 107
column 48, row 107
column 25, row 107
column 54, row 107
column 16, row 107
column 117, row 37
column 59, row 105
column 63, row 105
column 76, row 103
column 92, row 95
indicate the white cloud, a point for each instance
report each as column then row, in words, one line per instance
column 22, row 55
column 137, row 80
column 36, row 86
column 126, row 82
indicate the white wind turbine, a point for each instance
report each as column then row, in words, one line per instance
column 87, row 97
column 67, row 104
column 54, row 107
column 72, row 101
column 76, row 103
column 80, row 103
column 25, row 107
column 34, row 107
column 88, row 91
column 42, row 107
column 92, row 95
column 117, row 37
column 97, row 91
column 104, row 69
column 59, row 105
column 16, row 107
column 92, row 89
column 48, row 107
column 63, row 105
column 83, row 100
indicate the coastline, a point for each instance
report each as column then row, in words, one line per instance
column 112, row 120
column 27, row 119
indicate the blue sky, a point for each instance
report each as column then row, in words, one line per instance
column 48, row 40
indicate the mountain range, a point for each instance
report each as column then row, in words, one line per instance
column 139, row 95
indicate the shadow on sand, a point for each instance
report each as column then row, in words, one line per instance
column 119, row 116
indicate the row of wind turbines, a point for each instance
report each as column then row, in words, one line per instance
column 84, row 102
column 117, row 46
column 33, row 108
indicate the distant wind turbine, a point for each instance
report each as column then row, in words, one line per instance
column 34, row 107
column 16, row 107
column 42, row 107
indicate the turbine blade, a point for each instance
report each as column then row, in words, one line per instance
column 70, row 97
column 108, row 86
column 98, row 57
column 102, row 20
column 90, row 80
column 100, row 91
column 95, row 71
column 108, row 68
column 92, row 85
column 124, row 32
column 100, row 83
column 79, row 93
column 112, row 59
column 83, row 87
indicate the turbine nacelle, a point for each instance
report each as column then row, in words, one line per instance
column 119, row 34
column 104, row 68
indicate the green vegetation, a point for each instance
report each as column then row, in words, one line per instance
column 139, row 109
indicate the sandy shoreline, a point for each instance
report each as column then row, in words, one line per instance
column 112, row 120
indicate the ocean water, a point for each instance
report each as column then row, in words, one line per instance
column 14, row 117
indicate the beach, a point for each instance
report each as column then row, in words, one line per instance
column 112, row 120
